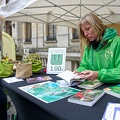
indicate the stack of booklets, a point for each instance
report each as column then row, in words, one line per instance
column 113, row 90
column 86, row 97
column 112, row 111
column 89, row 84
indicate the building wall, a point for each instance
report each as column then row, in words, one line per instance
column 39, row 33
column 64, row 36
column 41, row 45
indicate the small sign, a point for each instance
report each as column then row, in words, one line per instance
column 56, row 60
column 26, row 53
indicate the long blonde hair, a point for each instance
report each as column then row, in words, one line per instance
column 95, row 22
column 97, row 25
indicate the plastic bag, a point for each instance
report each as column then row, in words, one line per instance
column 36, row 66
column 6, row 70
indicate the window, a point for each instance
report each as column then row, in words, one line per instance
column 51, row 32
column 75, row 33
column 28, row 32
column 8, row 27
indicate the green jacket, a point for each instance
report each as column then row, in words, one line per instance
column 105, row 60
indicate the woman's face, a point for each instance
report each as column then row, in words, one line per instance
column 88, row 32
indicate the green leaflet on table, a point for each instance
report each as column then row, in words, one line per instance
column 36, row 66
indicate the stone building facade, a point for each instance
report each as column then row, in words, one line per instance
column 39, row 37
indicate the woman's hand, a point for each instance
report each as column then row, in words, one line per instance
column 75, row 71
column 89, row 74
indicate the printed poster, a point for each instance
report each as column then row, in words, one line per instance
column 48, row 91
column 56, row 60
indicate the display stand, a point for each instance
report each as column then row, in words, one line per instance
column 56, row 60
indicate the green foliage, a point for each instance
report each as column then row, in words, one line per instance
column 36, row 66
column 36, row 62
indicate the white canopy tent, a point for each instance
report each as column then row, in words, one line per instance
column 60, row 12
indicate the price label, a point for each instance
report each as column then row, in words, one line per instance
column 56, row 68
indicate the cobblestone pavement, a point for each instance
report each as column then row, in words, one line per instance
column 11, row 109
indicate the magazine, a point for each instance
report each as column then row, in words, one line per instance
column 70, row 78
column 48, row 91
column 86, row 97
column 113, row 90
column 38, row 79
column 89, row 84
column 112, row 111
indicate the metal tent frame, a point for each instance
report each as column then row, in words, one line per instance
column 64, row 12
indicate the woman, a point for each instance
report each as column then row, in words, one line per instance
column 101, row 58
column 3, row 98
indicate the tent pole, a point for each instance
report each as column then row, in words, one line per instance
column 37, row 38
column 43, row 36
column 1, row 47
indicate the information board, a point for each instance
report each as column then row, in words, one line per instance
column 56, row 60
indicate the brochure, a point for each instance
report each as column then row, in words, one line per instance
column 113, row 90
column 70, row 78
column 12, row 79
column 38, row 79
column 48, row 91
column 112, row 111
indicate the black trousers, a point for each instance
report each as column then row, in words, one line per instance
column 3, row 104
